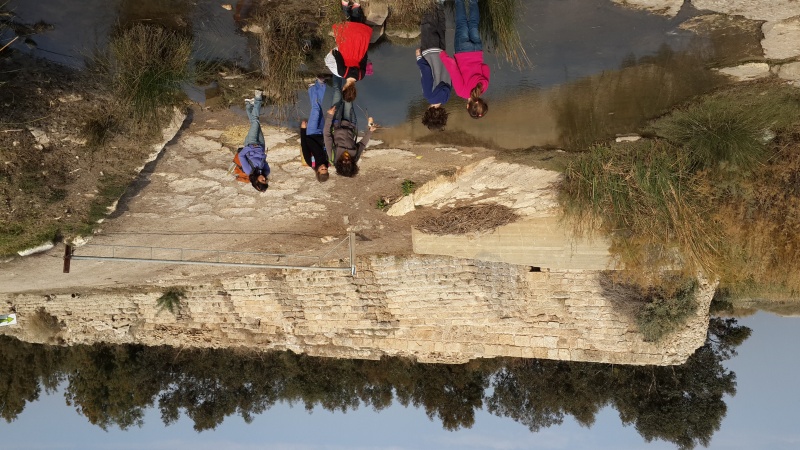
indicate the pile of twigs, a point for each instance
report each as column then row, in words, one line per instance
column 467, row 219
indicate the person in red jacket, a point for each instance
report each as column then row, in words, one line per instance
column 470, row 76
column 348, row 60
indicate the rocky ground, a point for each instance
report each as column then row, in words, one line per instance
column 187, row 199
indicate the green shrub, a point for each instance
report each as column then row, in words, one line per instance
column 664, row 312
column 732, row 126
column 44, row 326
column 408, row 187
column 171, row 299
column 717, row 131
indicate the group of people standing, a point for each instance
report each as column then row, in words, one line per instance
column 332, row 138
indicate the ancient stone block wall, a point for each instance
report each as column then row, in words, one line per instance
column 433, row 309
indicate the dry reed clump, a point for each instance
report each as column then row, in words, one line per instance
column 43, row 326
column 644, row 197
column 467, row 219
column 286, row 43
column 148, row 66
column 761, row 219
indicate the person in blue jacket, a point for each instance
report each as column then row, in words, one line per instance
column 436, row 83
column 253, row 156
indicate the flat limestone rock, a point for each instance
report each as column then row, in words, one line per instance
column 403, row 207
column 772, row 10
column 789, row 71
column 664, row 7
column 749, row 71
column 782, row 39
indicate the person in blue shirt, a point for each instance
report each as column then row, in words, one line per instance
column 253, row 156
column 312, row 143
column 436, row 83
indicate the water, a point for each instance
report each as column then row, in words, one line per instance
column 642, row 63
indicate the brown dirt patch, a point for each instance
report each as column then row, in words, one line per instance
column 56, row 189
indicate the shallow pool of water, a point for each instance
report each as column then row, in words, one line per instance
column 597, row 69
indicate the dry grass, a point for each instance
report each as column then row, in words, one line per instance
column 284, row 48
column 468, row 219
column 680, row 207
column 43, row 326
column 148, row 66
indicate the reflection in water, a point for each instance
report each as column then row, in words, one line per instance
column 579, row 113
column 114, row 386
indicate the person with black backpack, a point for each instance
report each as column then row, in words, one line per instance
column 341, row 142
column 252, row 158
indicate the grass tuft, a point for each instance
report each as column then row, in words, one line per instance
column 147, row 65
column 171, row 299
column 498, row 27
column 718, row 130
column 408, row 187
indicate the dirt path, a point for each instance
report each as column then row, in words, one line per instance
column 187, row 199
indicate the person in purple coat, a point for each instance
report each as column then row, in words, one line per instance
column 253, row 156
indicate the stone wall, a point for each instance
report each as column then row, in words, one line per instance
column 433, row 309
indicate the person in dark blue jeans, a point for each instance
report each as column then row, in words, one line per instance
column 467, row 38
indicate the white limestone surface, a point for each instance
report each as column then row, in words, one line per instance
column 745, row 72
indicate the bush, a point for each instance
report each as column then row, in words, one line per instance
column 666, row 312
column 718, row 131
column 643, row 196
column 171, row 299
column 148, row 66
column 732, row 126
column 44, row 326
column 408, row 187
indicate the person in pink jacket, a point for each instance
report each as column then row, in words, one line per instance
column 470, row 76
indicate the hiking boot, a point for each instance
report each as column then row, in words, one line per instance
column 259, row 94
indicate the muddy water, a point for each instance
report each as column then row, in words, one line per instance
column 597, row 69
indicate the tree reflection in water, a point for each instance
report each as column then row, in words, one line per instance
column 114, row 385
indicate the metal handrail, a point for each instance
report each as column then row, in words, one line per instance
column 69, row 254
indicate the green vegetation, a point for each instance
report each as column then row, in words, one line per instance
column 171, row 299
column 381, row 204
column 408, row 187
column 666, row 311
column 720, row 198
column 642, row 195
column 114, row 386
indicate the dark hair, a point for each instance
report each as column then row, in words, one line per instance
column 346, row 167
column 349, row 93
column 321, row 177
column 477, row 107
column 435, row 118
column 260, row 187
